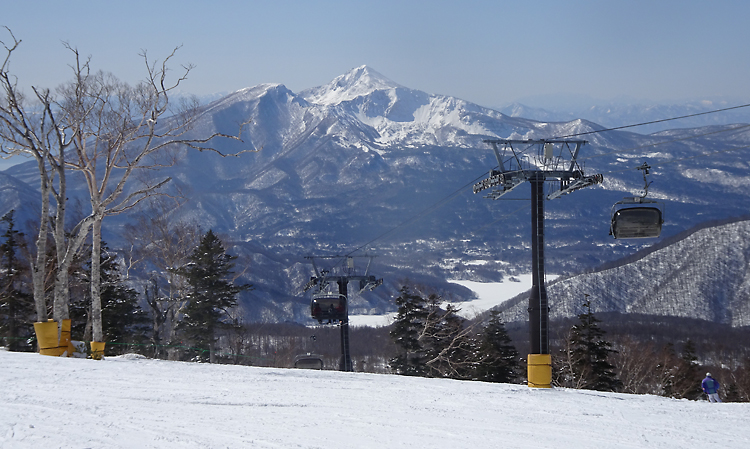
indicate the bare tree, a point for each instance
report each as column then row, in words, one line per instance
column 32, row 130
column 565, row 372
column 450, row 341
column 122, row 130
column 636, row 364
column 111, row 131
column 161, row 243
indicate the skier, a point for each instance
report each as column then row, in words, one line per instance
column 711, row 388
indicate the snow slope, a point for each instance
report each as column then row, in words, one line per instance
column 130, row 402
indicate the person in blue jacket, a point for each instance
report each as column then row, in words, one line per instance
column 711, row 388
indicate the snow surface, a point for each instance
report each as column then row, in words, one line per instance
column 133, row 402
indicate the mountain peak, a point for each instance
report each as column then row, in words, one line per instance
column 360, row 81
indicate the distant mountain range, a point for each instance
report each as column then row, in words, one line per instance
column 365, row 165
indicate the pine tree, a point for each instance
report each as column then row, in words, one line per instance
column 432, row 341
column 684, row 380
column 124, row 322
column 16, row 303
column 210, row 297
column 590, row 352
column 498, row 358
column 406, row 332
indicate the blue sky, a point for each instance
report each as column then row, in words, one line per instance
column 487, row 52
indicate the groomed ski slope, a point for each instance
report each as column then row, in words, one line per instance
column 131, row 402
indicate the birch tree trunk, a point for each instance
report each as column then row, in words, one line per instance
column 60, row 309
column 96, row 298
column 39, row 267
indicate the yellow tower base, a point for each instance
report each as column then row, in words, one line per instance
column 97, row 350
column 46, row 337
column 540, row 370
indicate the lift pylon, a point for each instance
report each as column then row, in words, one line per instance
column 333, row 307
column 553, row 161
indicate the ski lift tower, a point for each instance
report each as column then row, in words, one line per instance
column 538, row 162
column 334, row 306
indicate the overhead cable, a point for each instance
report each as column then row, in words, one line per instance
column 654, row 121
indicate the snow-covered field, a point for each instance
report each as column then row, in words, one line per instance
column 131, row 402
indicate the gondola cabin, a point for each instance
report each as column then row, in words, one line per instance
column 308, row 361
column 640, row 221
column 328, row 307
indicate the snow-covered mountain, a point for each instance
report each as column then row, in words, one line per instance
column 365, row 164
column 706, row 275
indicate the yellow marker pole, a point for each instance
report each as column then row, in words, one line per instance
column 46, row 337
column 540, row 370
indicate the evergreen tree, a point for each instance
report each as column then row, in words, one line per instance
column 124, row 322
column 498, row 358
column 684, row 380
column 431, row 341
column 590, row 352
column 210, row 296
column 406, row 333
column 16, row 303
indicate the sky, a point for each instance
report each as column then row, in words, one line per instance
column 488, row 52
column 133, row 402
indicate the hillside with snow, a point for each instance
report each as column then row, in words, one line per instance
column 132, row 402
column 705, row 275
column 366, row 165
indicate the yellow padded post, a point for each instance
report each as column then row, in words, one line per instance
column 46, row 337
column 97, row 350
column 540, row 370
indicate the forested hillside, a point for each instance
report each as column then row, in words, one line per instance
column 705, row 275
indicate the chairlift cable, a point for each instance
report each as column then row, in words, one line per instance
column 672, row 161
column 426, row 211
column 499, row 219
column 654, row 121
column 453, row 195
column 736, row 128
